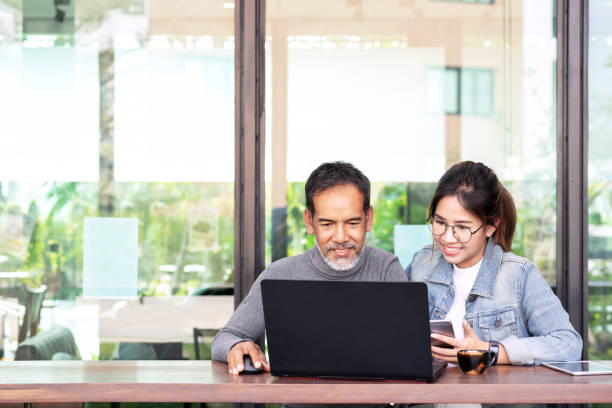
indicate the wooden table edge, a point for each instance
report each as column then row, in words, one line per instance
column 304, row 393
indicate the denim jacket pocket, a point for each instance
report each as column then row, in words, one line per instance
column 499, row 324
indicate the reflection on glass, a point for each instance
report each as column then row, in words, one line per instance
column 600, row 182
column 403, row 90
column 119, row 109
column 442, row 90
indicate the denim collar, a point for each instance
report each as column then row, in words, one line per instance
column 483, row 286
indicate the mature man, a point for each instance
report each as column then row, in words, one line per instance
column 339, row 214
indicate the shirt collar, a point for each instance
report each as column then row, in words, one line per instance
column 490, row 264
column 483, row 286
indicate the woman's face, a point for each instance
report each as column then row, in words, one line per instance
column 467, row 254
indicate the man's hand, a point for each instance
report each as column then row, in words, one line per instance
column 470, row 341
column 239, row 350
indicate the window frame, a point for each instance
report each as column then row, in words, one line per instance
column 572, row 142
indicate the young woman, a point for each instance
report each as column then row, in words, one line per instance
column 496, row 300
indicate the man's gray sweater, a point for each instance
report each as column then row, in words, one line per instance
column 247, row 322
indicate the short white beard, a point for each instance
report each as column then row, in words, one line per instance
column 341, row 264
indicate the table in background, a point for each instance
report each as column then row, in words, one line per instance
column 205, row 381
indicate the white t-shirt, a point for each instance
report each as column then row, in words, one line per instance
column 464, row 281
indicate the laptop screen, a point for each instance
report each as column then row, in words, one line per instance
column 348, row 329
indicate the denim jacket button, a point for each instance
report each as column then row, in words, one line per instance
column 497, row 323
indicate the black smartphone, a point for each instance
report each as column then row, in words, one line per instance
column 444, row 327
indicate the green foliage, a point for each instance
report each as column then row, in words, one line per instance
column 171, row 218
column 34, row 257
column 106, row 350
column 600, row 269
column 396, row 204
column 535, row 236
column 299, row 240
column 389, row 211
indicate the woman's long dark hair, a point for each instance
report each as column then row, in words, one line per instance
column 479, row 191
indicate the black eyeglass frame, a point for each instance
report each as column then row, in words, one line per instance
column 429, row 221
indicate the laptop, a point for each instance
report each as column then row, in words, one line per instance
column 347, row 329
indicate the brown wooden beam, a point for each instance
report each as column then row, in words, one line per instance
column 572, row 161
column 249, row 226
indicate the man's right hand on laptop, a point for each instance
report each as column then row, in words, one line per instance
column 236, row 355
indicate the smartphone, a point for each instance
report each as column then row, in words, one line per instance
column 444, row 327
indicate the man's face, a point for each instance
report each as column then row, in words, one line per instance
column 339, row 224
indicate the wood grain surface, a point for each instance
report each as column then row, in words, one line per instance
column 205, row 381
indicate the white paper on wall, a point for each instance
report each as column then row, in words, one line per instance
column 408, row 240
column 110, row 257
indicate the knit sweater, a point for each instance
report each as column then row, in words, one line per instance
column 247, row 322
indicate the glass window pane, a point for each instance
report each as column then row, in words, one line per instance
column 468, row 91
column 117, row 168
column 50, row 102
column 181, row 93
column 484, row 92
column 600, row 181
column 359, row 81
column 435, row 90
column 442, row 88
column 451, row 91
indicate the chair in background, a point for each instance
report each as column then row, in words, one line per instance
column 197, row 333
column 56, row 343
column 31, row 317
column 148, row 351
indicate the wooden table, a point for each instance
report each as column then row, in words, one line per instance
column 203, row 381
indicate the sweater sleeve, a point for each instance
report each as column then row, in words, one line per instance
column 247, row 323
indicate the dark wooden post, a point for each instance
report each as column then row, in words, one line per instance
column 249, row 227
column 249, row 211
column 572, row 161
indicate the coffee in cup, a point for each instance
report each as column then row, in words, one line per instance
column 475, row 361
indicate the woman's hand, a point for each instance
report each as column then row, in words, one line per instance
column 469, row 341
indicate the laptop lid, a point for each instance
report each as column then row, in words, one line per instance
column 348, row 329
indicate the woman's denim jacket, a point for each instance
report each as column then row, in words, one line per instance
column 510, row 302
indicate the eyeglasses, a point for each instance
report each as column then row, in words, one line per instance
column 461, row 233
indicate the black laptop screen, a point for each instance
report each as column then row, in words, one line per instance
column 348, row 329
